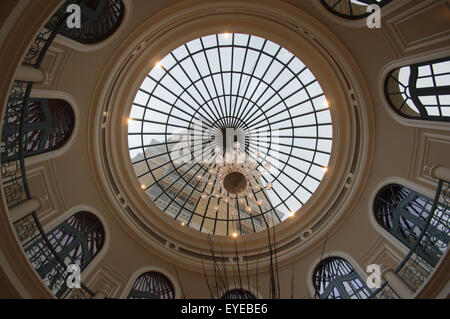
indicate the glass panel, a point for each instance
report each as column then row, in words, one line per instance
column 252, row 98
column 335, row 278
column 419, row 91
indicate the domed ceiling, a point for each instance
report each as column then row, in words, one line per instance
column 230, row 134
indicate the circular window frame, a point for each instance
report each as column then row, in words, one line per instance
column 341, row 82
column 148, row 167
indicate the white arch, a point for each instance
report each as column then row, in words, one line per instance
column 107, row 241
column 333, row 253
column 145, row 269
column 72, row 44
column 46, row 94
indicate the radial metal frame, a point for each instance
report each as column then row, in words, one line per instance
column 216, row 115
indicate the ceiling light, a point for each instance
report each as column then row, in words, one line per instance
column 235, row 178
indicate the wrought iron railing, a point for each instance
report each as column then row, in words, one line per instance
column 385, row 292
column 100, row 19
column 13, row 172
column 14, row 181
column 44, row 39
column 430, row 247
column 43, row 256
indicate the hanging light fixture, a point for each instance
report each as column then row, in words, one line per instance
column 235, row 176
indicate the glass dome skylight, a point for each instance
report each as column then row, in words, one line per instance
column 226, row 94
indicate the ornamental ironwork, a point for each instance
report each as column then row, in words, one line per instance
column 404, row 214
column 335, row 278
column 46, row 125
column 77, row 240
column 351, row 9
column 152, row 285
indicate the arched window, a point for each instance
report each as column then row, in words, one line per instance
column 404, row 213
column 48, row 124
column 351, row 9
column 77, row 240
column 335, row 278
column 420, row 91
column 152, row 285
column 99, row 19
column 238, row 294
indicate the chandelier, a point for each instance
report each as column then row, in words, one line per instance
column 234, row 175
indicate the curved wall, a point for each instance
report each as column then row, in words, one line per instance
column 77, row 177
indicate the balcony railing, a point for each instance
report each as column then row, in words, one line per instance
column 430, row 247
column 42, row 255
column 13, row 171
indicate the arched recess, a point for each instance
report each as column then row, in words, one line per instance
column 420, row 91
column 238, row 294
column 76, row 240
column 387, row 84
column 107, row 238
column 152, row 285
column 50, row 122
column 245, row 290
column 335, row 278
column 403, row 212
column 359, row 22
column 152, row 269
column 68, row 100
column 75, row 39
column 351, row 9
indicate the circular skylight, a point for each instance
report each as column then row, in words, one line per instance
column 230, row 134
